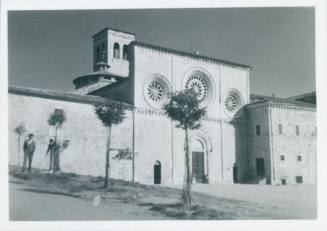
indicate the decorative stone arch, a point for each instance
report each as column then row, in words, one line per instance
column 200, row 142
column 205, row 80
column 156, row 89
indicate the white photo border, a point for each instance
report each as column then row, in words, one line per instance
column 321, row 83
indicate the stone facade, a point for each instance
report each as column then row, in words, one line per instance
column 224, row 150
column 286, row 142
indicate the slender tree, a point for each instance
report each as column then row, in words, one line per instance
column 110, row 114
column 56, row 119
column 19, row 130
column 184, row 108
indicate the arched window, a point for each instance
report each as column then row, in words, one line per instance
column 104, row 53
column 116, row 51
column 125, row 52
column 97, row 54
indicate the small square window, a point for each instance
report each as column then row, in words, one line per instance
column 297, row 130
column 280, row 129
column 299, row 179
column 283, row 181
column 257, row 130
column 299, row 158
column 282, row 157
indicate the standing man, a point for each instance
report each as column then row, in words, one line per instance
column 29, row 148
column 51, row 151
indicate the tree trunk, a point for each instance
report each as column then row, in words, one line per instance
column 106, row 181
column 56, row 164
column 187, row 184
column 18, row 146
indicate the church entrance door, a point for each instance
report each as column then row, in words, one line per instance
column 198, row 166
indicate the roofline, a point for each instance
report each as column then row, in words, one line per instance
column 184, row 53
column 303, row 95
column 114, row 29
column 282, row 102
column 99, row 74
column 64, row 96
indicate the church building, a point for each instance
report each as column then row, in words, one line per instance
column 244, row 138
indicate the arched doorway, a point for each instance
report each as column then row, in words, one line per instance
column 157, row 172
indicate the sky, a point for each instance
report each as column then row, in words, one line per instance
column 48, row 49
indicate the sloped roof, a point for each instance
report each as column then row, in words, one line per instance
column 184, row 53
column 99, row 73
column 59, row 95
column 257, row 99
column 306, row 97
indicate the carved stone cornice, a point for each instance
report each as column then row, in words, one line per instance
column 159, row 112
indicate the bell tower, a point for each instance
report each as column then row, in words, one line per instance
column 111, row 46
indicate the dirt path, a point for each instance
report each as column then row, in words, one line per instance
column 27, row 204
column 298, row 200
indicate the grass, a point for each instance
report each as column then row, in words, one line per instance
column 151, row 201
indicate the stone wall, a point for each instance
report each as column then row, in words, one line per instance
column 290, row 145
column 275, row 142
column 87, row 137
column 258, row 145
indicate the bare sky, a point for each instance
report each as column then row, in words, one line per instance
column 48, row 49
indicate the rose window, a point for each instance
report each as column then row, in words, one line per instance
column 199, row 85
column 155, row 91
column 233, row 102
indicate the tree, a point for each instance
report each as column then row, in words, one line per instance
column 184, row 108
column 56, row 119
column 110, row 114
column 19, row 130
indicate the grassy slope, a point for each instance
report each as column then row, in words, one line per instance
column 155, row 202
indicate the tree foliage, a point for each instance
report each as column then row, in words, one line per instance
column 57, row 118
column 124, row 154
column 20, row 129
column 109, row 114
column 184, row 107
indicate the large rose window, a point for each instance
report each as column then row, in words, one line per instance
column 156, row 90
column 199, row 85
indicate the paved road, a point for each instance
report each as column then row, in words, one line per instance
column 299, row 200
column 27, row 205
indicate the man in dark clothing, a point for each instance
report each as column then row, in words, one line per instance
column 29, row 148
column 51, row 150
